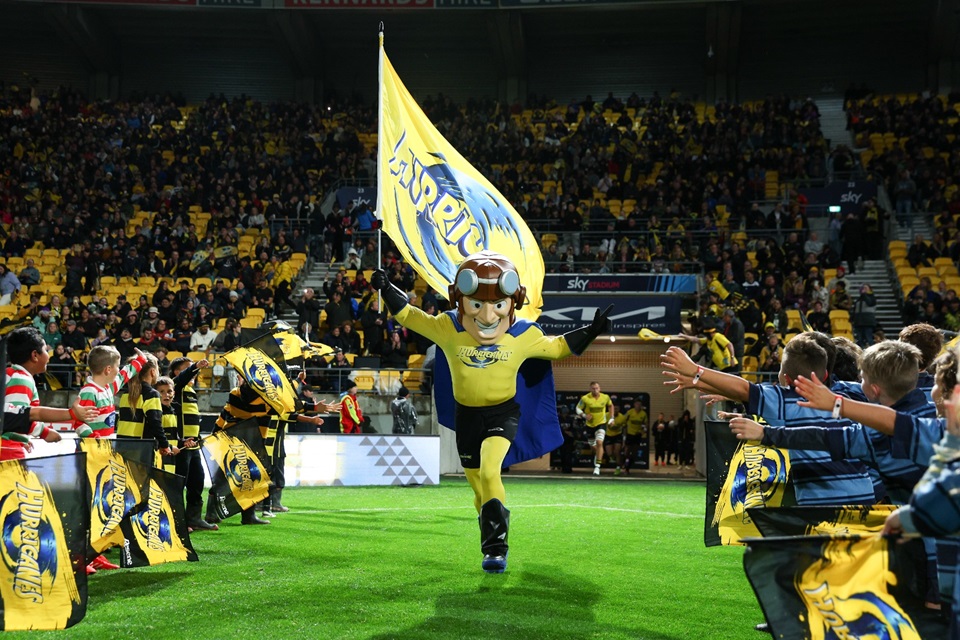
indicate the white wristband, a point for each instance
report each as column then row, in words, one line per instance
column 837, row 406
column 696, row 378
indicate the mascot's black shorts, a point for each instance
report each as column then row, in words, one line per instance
column 474, row 424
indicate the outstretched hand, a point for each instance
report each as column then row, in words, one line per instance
column 679, row 361
column 678, row 380
column 817, row 395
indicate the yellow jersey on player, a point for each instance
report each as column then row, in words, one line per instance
column 636, row 422
column 719, row 354
column 488, row 373
column 596, row 409
column 614, row 430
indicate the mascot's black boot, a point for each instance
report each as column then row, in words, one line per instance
column 277, row 505
column 249, row 516
column 494, row 526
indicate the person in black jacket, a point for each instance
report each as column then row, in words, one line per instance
column 308, row 312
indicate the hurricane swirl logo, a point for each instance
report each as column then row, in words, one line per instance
column 863, row 615
column 481, row 356
column 263, row 375
column 240, row 468
column 29, row 547
column 111, row 498
column 455, row 214
column 759, row 475
column 155, row 523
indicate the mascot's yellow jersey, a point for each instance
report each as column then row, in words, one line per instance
column 636, row 422
column 614, row 430
column 484, row 375
column 595, row 408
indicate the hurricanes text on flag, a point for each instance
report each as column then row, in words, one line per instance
column 436, row 206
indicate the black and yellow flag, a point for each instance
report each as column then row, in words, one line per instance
column 45, row 518
column 239, row 468
column 294, row 348
column 262, row 365
column 821, row 588
column 155, row 531
column 820, row 521
column 116, row 485
column 740, row 476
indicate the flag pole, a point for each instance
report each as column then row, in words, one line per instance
column 379, row 157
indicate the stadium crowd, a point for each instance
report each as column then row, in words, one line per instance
column 655, row 184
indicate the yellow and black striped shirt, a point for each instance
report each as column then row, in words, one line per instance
column 172, row 432
column 185, row 404
column 145, row 420
column 242, row 403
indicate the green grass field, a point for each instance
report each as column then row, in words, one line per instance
column 588, row 559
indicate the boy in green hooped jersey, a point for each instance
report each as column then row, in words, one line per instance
column 105, row 381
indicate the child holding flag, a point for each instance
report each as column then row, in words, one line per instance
column 189, row 460
column 141, row 413
column 105, row 381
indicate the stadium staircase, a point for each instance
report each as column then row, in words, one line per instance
column 876, row 273
column 833, row 122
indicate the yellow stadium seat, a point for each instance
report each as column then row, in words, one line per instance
column 839, row 313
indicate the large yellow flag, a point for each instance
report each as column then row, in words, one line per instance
column 44, row 540
column 265, row 375
column 435, row 206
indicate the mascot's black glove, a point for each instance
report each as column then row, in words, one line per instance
column 395, row 298
column 579, row 339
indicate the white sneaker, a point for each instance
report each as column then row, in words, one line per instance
column 596, row 469
column 267, row 514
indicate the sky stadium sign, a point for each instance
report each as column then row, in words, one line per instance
column 633, row 283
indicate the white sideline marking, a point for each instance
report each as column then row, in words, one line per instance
column 512, row 506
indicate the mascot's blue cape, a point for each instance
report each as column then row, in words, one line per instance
column 539, row 429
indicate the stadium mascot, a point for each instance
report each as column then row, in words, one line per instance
column 500, row 391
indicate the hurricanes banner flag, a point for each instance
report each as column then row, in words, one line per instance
column 155, row 530
column 823, row 587
column 294, row 348
column 435, row 206
column 45, row 518
column 740, row 475
column 115, row 487
column 239, row 468
column 820, row 521
column 262, row 365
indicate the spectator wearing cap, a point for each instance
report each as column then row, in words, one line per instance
column 125, row 344
column 72, row 338
column 150, row 320
column 202, row 339
column 234, row 308
column 30, row 275
column 9, row 285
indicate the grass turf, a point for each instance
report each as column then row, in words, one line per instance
column 589, row 559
